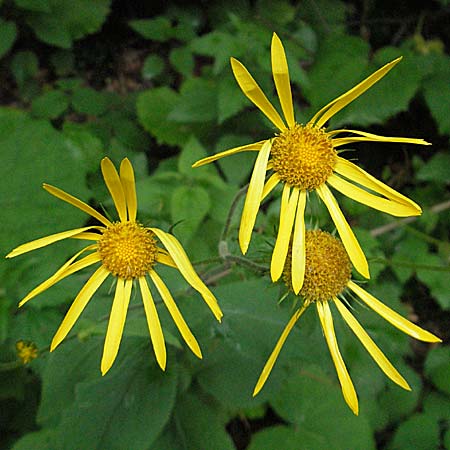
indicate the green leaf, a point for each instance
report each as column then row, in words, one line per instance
column 229, row 98
column 8, row 33
column 39, row 440
column 197, row 102
column 418, row 432
column 280, row 12
column 436, row 405
column 24, row 66
column 189, row 206
column 192, row 151
column 312, row 399
column 157, row 29
column 153, row 66
column 127, row 408
column 182, row 60
column 34, row 5
column 390, row 95
column 153, row 108
column 409, row 250
column 437, row 368
column 437, row 92
column 436, row 169
column 66, row 22
column 50, row 105
column 89, row 101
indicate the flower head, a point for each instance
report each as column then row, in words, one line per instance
column 26, row 351
column 327, row 278
column 303, row 158
column 129, row 252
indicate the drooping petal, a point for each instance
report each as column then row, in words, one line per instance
column 116, row 323
column 182, row 326
column 253, row 197
column 154, row 325
column 276, row 351
column 393, row 317
column 129, row 188
column 360, row 176
column 252, row 91
column 44, row 241
column 164, row 258
column 78, row 305
column 254, row 147
column 64, row 196
column 329, row 110
column 287, row 216
column 68, row 268
column 363, row 136
column 348, row 390
column 366, row 198
column 374, row 351
column 349, row 240
column 280, row 73
column 298, row 246
column 271, row 183
column 178, row 255
column 114, row 185
column 87, row 236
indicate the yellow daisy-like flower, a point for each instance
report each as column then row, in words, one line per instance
column 327, row 277
column 129, row 252
column 304, row 158
column 26, row 351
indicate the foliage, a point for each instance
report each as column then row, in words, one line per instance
column 161, row 92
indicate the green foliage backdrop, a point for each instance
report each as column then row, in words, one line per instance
column 91, row 78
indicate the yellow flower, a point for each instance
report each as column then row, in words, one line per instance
column 304, row 158
column 26, row 351
column 128, row 251
column 327, row 277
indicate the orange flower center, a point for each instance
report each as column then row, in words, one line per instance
column 303, row 156
column 128, row 250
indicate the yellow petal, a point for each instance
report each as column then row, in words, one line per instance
column 116, row 323
column 87, row 236
column 78, row 305
column 328, row 111
column 360, row 176
column 276, row 351
column 129, row 188
column 252, row 91
column 348, row 390
column 374, row 351
column 255, row 146
column 182, row 326
column 363, row 136
column 392, row 317
column 287, row 216
column 154, row 325
column 64, row 196
column 298, row 246
column 253, row 197
column 164, row 258
column 44, row 241
column 64, row 271
column 114, row 185
column 271, row 183
column 351, row 245
column 280, row 73
column 366, row 198
column 180, row 258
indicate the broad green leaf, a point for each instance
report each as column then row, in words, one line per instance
column 34, row 5
column 436, row 169
column 408, row 251
column 157, row 29
column 437, row 92
column 128, row 408
column 189, row 206
column 310, row 399
column 436, row 405
column 390, row 95
column 418, row 432
column 197, row 102
column 8, row 33
column 89, row 101
column 153, row 108
column 50, row 105
column 230, row 100
column 24, row 66
column 437, row 368
column 192, row 151
column 182, row 60
column 279, row 13
column 153, row 66
column 66, row 22
column 38, row 440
